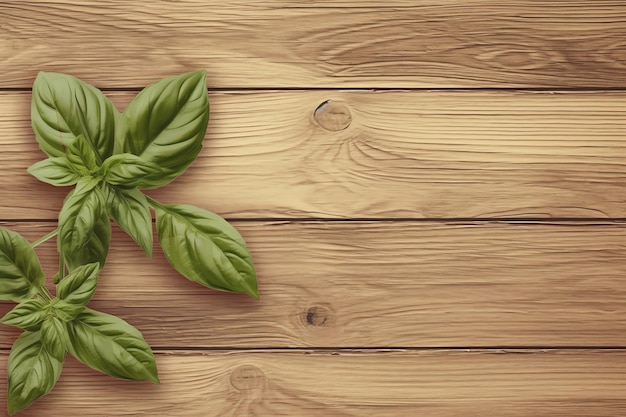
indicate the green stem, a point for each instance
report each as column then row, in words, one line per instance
column 153, row 202
column 45, row 238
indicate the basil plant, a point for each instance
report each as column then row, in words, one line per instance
column 108, row 157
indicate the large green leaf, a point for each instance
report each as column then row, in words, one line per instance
column 130, row 210
column 165, row 124
column 64, row 107
column 32, row 372
column 21, row 275
column 110, row 345
column 27, row 315
column 205, row 248
column 78, row 222
column 54, row 337
column 55, row 171
column 80, row 285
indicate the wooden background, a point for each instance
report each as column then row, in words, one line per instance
column 433, row 192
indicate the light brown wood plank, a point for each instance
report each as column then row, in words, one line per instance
column 578, row 383
column 384, row 284
column 399, row 43
column 404, row 154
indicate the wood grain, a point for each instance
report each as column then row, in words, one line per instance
column 350, row 384
column 404, row 154
column 382, row 284
column 338, row 44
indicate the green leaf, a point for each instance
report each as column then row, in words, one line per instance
column 27, row 315
column 66, row 311
column 165, row 125
column 82, row 156
column 55, row 171
column 85, row 184
column 80, row 285
column 32, row 372
column 21, row 275
column 97, row 246
column 128, row 170
column 65, row 107
column 54, row 337
column 110, row 345
column 205, row 248
column 130, row 210
column 77, row 224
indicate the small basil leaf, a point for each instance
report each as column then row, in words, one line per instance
column 21, row 275
column 55, row 171
column 65, row 107
column 205, row 248
column 66, row 311
column 85, row 184
column 130, row 210
column 80, row 285
column 54, row 337
column 97, row 246
column 77, row 223
column 165, row 125
column 27, row 315
column 110, row 345
column 32, row 372
column 82, row 156
column 128, row 170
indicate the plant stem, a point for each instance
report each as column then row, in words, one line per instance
column 45, row 238
column 153, row 202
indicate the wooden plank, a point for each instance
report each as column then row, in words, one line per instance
column 389, row 284
column 350, row 384
column 405, row 154
column 339, row 44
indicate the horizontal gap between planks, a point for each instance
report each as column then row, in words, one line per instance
column 511, row 220
column 380, row 349
column 555, row 89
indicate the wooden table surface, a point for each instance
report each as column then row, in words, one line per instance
column 433, row 192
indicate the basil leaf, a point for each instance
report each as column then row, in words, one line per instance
column 21, row 275
column 32, row 372
column 77, row 224
column 110, row 345
column 128, row 170
column 165, row 124
column 65, row 107
column 130, row 210
column 82, row 156
column 55, row 171
column 54, row 337
column 27, row 315
column 97, row 246
column 66, row 311
column 80, row 285
column 205, row 248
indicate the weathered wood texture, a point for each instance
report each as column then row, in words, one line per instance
column 398, row 43
column 404, row 154
column 581, row 383
column 382, row 284
column 551, row 292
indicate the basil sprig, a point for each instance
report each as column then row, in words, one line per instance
column 109, row 157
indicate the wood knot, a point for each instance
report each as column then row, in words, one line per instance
column 247, row 377
column 318, row 316
column 333, row 115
